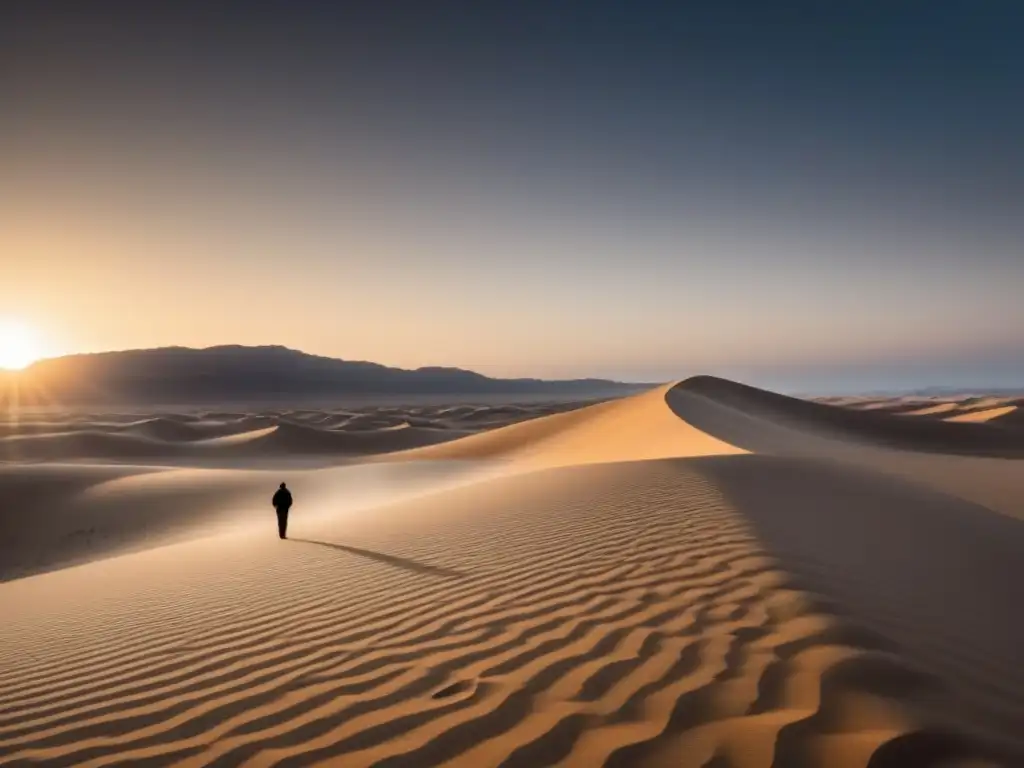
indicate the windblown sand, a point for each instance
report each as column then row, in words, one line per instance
column 704, row 575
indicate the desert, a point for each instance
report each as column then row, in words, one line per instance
column 704, row 573
column 512, row 384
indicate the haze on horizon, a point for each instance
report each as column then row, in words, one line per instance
column 797, row 195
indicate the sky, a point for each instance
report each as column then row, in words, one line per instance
column 796, row 194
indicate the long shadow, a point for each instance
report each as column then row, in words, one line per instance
column 761, row 421
column 398, row 562
column 937, row 575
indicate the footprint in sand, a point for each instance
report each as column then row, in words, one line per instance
column 458, row 688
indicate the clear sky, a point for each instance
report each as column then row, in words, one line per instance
column 796, row 194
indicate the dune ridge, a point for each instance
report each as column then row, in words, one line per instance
column 1005, row 411
column 703, row 574
column 635, row 428
column 202, row 437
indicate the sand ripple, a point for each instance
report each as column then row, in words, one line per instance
column 623, row 615
column 604, row 601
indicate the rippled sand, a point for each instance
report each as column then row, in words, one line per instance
column 702, row 575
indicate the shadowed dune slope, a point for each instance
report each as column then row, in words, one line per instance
column 294, row 438
column 785, row 427
column 56, row 515
column 972, row 409
column 281, row 440
column 89, row 444
column 1013, row 419
column 927, row 435
column 710, row 416
column 175, row 430
column 935, row 575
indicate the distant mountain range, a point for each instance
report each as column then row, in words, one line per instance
column 179, row 375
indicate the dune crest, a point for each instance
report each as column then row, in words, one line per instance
column 203, row 437
column 238, row 438
column 635, row 428
column 984, row 414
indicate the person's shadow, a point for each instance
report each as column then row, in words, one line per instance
column 398, row 562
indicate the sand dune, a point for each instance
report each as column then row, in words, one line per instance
column 86, row 444
column 61, row 515
column 292, row 438
column 56, row 515
column 869, row 427
column 631, row 429
column 629, row 617
column 787, row 428
column 704, row 574
column 979, row 409
column 884, row 405
column 175, row 429
column 984, row 414
column 202, row 438
column 931, row 410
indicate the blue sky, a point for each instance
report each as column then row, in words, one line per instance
column 786, row 192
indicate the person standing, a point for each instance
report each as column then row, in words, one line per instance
column 282, row 502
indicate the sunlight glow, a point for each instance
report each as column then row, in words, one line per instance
column 19, row 347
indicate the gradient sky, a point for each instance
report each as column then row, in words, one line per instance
column 796, row 194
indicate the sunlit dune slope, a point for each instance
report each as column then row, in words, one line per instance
column 931, row 410
column 984, row 414
column 630, row 429
column 710, row 416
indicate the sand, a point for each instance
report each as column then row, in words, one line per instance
column 704, row 574
column 227, row 438
column 1004, row 409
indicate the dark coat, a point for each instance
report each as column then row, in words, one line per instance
column 282, row 499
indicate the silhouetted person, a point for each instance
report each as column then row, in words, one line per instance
column 282, row 503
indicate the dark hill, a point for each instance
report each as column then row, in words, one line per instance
column 229, row 373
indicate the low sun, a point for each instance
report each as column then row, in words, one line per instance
column 18, row 346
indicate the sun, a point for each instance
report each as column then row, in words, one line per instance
column 19, row 347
